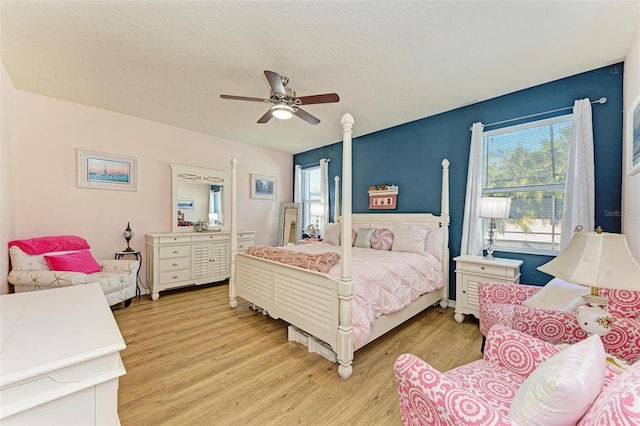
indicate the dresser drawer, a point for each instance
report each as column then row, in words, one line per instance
column 174, row 277
column 242, row 246
column 499, row 271
column 210, row 237
column 176, row 251
column 174, row 264
column 175, row 239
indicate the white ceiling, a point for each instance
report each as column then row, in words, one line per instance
column 391, row 62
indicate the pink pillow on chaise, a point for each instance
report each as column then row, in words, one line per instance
column 80, row 261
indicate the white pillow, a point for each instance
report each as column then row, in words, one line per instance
column 332, row 236
column 434, row 242
column 409, row 238
column 563, row 387
column 363, row 237
column 558, row 295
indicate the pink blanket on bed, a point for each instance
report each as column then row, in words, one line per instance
column 48, row 244
column 321, row 262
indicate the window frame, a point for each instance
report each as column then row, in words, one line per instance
column 305, row 199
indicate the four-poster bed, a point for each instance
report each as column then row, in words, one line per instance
column 319, row 304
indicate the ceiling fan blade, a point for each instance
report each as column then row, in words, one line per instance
column 319, row 99
column 275, row 82
column 266, row 117
column 243, row 98
column 307, row 117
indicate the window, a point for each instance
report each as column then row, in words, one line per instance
column 311, row 198
column 528, row 163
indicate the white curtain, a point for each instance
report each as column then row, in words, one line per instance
column 579, row 196
column 324, row 192
column 297, row 184
column 472, row 224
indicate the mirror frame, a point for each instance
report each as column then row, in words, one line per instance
column 283, row 208
column 181, row 173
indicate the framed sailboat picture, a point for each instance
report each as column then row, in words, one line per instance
column 99, row 170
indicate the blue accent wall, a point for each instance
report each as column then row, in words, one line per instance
column 409, row 155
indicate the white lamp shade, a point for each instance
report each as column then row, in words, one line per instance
column 495, row 207
column 596, row 259
column 316, row 210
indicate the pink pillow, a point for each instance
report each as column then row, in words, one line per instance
column 382, row 239
column 80, row 261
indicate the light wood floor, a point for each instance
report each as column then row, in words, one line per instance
column 192, row 360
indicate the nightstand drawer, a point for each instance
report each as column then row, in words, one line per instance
column 176, row 251
column 242, row 246
column 174, row 264
column 499, row 271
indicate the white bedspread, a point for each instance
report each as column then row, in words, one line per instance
column 383, row 282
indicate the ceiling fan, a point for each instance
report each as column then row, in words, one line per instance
column 285, row 102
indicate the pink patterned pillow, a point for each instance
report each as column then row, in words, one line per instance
column 80, row 261
column 618, row 403
column 382, row 239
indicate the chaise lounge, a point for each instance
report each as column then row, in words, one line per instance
column 59, row 261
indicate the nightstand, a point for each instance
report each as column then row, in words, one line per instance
column 137, row 255
column 470, row 270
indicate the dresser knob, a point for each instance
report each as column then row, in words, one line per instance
column 482, row 267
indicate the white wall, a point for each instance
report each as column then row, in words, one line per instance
column 631, row 184
column 7, row 141
column 48, row 202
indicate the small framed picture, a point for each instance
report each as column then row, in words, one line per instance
column 263, row 187
column 186, row 203
column 99, row 170
column 633, row 138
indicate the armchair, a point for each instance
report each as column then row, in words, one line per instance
column 502, row 303
column 485, row 392
column 31, row 268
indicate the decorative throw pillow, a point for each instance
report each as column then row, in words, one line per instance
column 332, row 236
column 558, row 295
column 563, row 387
column 382, row 239
column 618, row 402
column 80, row 261
column 409, row 238
column 354, row 231
column 435, row 241
column 363, row 237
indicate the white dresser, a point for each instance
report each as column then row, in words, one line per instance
column 470, row 270
column 190, row 258
column 60, row 358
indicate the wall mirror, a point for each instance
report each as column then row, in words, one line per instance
column 199, row 194
column 290, row 224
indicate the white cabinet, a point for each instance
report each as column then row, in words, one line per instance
column 60, row 359
column 471, row 270
column 183, row 259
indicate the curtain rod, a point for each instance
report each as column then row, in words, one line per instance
column 317, row 163
column 597, row 101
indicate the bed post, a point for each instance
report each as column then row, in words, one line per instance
column 345, row 285
column 233, row 301
column 336, row 204
column 444, row 214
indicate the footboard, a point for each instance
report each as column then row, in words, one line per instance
column 303, row 298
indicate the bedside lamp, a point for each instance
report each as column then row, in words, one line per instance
column 128, row 234
column 494, row 208
column 599, row 260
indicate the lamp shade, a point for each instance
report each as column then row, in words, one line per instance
column 595, row 259
column 495, row 207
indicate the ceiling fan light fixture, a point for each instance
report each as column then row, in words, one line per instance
column 282, row 111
